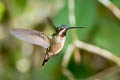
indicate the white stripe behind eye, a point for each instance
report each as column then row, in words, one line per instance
column 62, row 31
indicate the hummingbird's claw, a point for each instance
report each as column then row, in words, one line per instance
column 56, row 54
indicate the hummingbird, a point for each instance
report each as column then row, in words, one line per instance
column 53, row 43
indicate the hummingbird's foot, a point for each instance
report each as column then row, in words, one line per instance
column 56, row 54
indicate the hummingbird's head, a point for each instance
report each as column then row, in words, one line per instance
column 62, row 29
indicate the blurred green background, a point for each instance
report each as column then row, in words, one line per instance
column 20, row 60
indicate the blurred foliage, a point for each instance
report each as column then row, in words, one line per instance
column 2, row 8
column 20, row 60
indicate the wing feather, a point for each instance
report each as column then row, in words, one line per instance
column 32, row 36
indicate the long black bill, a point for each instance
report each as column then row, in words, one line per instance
column 74, row 27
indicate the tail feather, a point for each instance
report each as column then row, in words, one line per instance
column 45, row 59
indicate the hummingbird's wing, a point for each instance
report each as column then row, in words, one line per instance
column 32, row 36
column 51, row 23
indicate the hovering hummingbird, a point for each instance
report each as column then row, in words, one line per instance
column 53, row 43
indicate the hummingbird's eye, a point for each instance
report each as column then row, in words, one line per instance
column 59, row 29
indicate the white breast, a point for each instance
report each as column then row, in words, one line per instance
column 59, row 45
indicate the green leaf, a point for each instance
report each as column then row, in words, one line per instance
column 86, row 13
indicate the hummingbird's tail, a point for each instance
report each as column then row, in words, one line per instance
column 45, row 59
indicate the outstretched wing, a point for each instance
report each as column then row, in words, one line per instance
column 32, row 36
